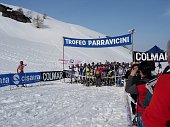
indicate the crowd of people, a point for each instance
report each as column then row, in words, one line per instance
column 108, row 73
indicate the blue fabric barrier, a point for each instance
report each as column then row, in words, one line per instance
column 5, row 80
column 19, row 78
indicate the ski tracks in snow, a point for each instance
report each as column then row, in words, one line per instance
column 65, row 105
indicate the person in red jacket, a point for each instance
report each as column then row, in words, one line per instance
column 157, row 114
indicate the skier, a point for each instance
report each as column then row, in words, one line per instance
column 21, row 66
column 20, row 69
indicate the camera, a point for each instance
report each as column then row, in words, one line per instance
column 147, row 66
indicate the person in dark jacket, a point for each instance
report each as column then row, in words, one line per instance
column 98, row 76
column 138, row 87
column 133, row 96
column 157, row 114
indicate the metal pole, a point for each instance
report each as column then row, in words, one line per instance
column 63, row 57
column 132, row 43
column 10, row 84
column 63, row 54
column 132, row 31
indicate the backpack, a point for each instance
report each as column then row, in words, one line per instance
column 97, row 72
column 150, row 87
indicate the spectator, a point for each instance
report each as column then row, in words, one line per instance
column 133, row 96
column 88, row 75
column 81, row 73
column 160, row 68
column 72, row 71
column 120, row 71
column 138, row 87
column 157, row 114
column 98, row 76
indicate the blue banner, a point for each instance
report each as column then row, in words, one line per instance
column 100, row 42
column 19, row 78
column 5, row 80
column 25, row 78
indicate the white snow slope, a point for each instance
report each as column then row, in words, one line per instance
column 56, row 104
column 41, row 48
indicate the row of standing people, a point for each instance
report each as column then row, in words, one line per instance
column 100, row 73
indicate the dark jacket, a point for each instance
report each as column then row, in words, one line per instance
column 137, row 87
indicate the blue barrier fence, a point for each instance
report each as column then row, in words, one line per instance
column 19, row 78
column 5, row 79
column 31, row 77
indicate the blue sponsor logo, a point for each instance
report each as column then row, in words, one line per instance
column 16, row 79
column 31, row 78
column 25, row 78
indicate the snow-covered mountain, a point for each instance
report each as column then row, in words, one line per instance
column 41, row 48
column 56, row 104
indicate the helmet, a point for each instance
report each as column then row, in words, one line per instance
column 21, row 63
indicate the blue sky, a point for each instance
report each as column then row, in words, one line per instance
column 150, row 18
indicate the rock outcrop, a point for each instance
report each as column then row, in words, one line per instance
column 14, row 14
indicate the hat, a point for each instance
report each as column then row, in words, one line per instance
column 145, row 67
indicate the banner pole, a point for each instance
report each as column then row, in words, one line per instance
column 63, row 57
column 133, row 42
column 132, row 31
column 10, row 83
